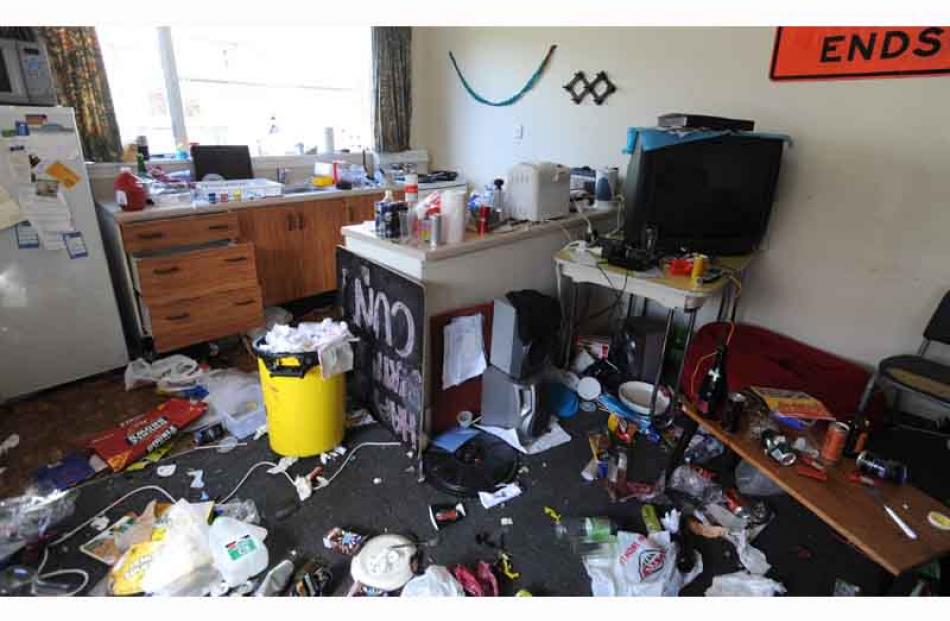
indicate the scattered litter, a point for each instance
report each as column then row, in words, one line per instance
column 243, row 510
column 384, row 562
column 750, row 481
column 435, row 582
column 235, row 398
column 453, row 439
column 377, row 481
column 68, row 472
column 26, row 518
column 311, row 580
column 276, row 580
column 843, row 588
column 524, row 470
column 260, row 432
column 751, row 557
column 638, row 565
column 507, row 521
column 197, row 479
column 695, row 481
column 10, row 443
column 482, row 583
column 227, row 445
column 359, row 418
column 304, row 487
column 166, row 470
column 802, row 445
column 181, row 561
column 554, row 515
column 504, row 561
column 204, row 496
column 743, row 584
column 238, row 549
column 343, row 541
column 171, row 374
column 100, row 523
column 131, row 440
column 464, row 353
column 282, row 465
column 502, row 494
column 703, row 448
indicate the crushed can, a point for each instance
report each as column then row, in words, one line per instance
column 442, row 514
column 311, row 580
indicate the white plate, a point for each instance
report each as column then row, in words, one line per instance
column 637, row 395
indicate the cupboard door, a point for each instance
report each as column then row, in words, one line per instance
column 321, row 222
column 359, row 209
column 277, row 249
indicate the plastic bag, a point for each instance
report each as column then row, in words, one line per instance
column 27, row 517
column 743, row 584
column 638, row 565
column 235, row 398
column 702, row 448
column 751, row 482
column 242, row 510
column 694, row 482
column 435, row 582
column 172, row 374
column 181, row 563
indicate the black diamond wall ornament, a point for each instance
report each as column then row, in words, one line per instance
column 605, row 92
column 571, row 87
column 600, row 89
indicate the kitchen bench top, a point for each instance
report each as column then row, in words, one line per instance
column 153, row 212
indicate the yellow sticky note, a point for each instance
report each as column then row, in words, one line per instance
column 63, row 173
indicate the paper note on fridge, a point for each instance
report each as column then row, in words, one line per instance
column 464, row 356
column 10, row 212
column 49, row 215
column 63, row 173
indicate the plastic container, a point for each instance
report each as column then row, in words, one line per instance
column 453, row 213
column 249, row 414
column 305, row 412
column 238, row 549
column 129, row 190
column 586, row 534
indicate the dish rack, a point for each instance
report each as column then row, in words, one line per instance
column 238, row 189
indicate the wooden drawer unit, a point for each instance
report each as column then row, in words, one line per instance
column 185, row 321
column 149, row 236
column 194, row 273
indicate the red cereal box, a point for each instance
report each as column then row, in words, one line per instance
column 138, row 436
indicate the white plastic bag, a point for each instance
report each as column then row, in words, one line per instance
column 751, row 482
column 638, row 565
column 743, row 584
column 437, row 581
column 182, row 564
column 171, row 374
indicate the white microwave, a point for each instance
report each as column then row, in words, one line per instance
column 25, row 75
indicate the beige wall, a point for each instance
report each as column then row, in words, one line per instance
column 858, row 253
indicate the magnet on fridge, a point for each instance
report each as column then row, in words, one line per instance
column 75, row 245
column 26, row 235
column 22, row 129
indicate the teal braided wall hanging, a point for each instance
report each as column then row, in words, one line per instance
column 506, row 102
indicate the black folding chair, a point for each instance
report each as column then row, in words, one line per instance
column 916, row 374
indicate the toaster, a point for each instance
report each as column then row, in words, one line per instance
column 539, row 191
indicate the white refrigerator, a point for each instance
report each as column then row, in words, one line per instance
column 58, row 316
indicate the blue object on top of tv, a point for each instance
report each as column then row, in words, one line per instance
column 702, row 191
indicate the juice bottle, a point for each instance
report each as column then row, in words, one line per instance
column 129, row 191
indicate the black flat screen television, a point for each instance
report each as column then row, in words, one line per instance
column 712, row 196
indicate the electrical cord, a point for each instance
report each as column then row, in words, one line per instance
column 353, row 452
column 247, row 475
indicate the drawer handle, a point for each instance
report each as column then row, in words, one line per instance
column 219, row 227
column 153, row 235
column 235, row 259
column 244, row 303
column 166, row 270
column 178, row 317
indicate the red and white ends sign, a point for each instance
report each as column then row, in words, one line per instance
column 829, row 52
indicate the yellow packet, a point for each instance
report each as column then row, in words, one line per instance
column 63, row 173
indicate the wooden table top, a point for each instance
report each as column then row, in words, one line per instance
column 846, row 506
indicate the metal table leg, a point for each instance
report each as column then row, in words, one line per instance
column 659, row 368
column 679, row 373
column 689, row 430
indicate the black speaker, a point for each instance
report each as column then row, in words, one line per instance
column 637, row 348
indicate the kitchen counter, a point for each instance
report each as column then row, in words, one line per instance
column 481, row 267
column 153, row 212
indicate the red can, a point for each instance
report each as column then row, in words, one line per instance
column 484, row 213
column 833, row 446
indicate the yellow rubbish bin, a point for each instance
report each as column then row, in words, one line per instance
column 305, row 412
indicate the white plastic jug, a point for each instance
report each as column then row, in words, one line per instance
column 238, row 549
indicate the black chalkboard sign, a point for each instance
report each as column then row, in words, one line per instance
column 386, row 310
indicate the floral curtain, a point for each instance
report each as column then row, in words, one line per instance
column 392, row 85
column 81, row 84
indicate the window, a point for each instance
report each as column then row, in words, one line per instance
column 274, row 89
